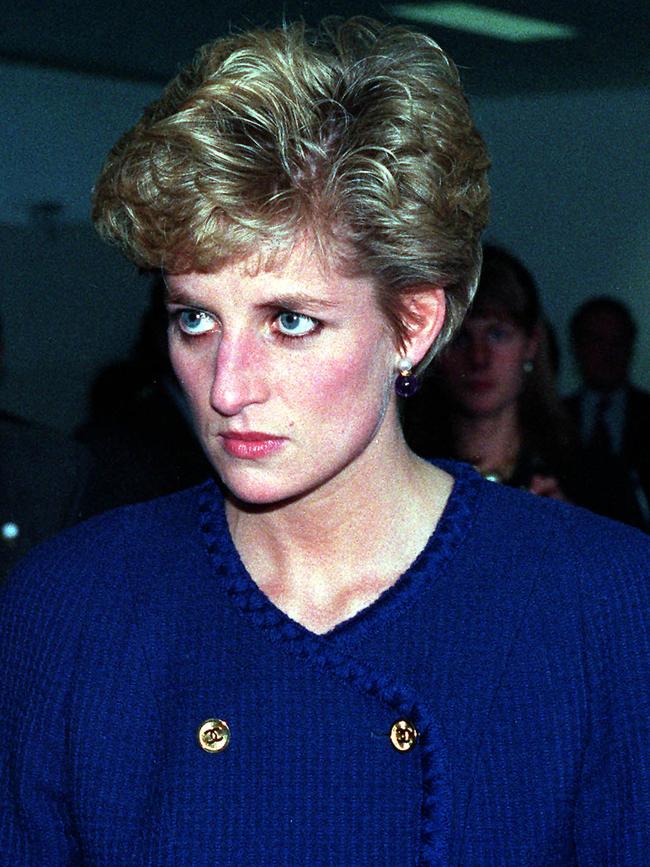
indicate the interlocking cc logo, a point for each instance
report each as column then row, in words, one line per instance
column 214, row 735
column 403, row 735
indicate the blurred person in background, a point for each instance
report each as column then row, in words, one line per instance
column 491, row 399
column 611, row 414
column 139, row 429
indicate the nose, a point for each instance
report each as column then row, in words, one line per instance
column 239, row 378
column 479, row 352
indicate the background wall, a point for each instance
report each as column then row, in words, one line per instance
column 571, row 196
column 69, row 303
column 570, row 182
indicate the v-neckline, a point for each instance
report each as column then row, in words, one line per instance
column 246, row 595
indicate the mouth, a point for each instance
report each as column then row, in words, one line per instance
column 479, row 386
column 250, row 445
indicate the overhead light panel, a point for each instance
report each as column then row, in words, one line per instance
column 483, row 21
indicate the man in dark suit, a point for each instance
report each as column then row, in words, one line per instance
column 612, row 416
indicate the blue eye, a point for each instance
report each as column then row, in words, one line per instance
column 293, row 324
column 195, row 321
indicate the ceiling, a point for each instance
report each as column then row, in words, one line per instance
column 146, row 40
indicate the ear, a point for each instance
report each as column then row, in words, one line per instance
column 423, row 318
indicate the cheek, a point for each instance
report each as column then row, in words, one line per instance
column 179, row 363
column 190, row 369
column 512, row 369
column 346, row 384
column 333, row 388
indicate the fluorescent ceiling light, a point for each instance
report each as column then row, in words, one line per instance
column 486, row 22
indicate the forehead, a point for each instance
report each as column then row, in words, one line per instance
column 299, row 275
column 488, row 314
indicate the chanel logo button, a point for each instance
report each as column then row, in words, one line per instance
column 403, row 735
column 214, row 735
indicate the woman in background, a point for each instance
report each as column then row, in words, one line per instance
column 492, row 399
column 338, row 653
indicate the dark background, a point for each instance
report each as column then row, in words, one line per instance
column 567, row 123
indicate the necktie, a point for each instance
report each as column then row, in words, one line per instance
column 601, row 440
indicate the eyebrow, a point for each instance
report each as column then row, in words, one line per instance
column 286, row 301
column 302, row 300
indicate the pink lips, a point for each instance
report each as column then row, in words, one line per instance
column 251, row 444
column 479, row 385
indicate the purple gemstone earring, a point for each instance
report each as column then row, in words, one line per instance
column 406, row 382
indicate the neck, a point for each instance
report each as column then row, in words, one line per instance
column 323, row 557
column 491, row 443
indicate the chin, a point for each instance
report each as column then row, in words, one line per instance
column 478, row 408
column 250, row 487
column 258, row 486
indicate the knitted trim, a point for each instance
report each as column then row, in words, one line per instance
column 454, row 525
column 316, row 649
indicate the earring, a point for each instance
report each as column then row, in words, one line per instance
column 406, row 382
column 528, row 365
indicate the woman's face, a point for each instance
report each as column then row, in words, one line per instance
column 482, row 370
column 288, row 373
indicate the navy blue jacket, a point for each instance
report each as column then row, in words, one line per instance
column 512, row 660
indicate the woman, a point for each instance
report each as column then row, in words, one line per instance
column 492, row 400
column 341, row 654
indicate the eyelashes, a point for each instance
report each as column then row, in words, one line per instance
column 287, row 325
column 295, row 325
column 193, row 322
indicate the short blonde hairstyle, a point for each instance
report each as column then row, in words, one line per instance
column 358, row 137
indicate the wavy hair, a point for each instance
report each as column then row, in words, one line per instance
column 358, row 137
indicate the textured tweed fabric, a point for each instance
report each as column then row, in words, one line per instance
column 517, row 645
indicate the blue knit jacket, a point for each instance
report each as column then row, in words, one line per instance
column 516, row 647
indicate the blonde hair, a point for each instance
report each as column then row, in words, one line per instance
column 359, row 138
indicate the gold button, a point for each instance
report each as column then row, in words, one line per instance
column 214, row 735
column 403, row 735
